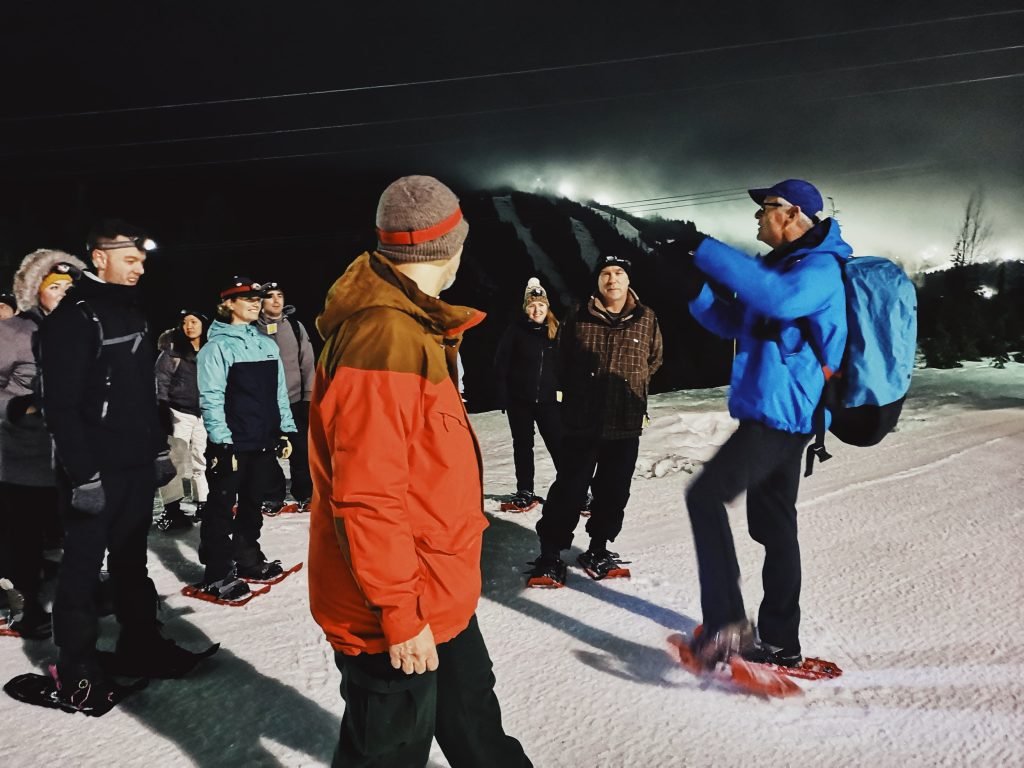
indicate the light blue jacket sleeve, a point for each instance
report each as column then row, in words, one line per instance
column 283, row 404
column 804, row 289
column 212, row 366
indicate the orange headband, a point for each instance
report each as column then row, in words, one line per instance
column 53, row 277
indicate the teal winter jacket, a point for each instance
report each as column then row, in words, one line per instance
column 776, row 376
column 242, row 389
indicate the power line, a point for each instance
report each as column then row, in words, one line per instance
column 513, row 73
column 691, row 199
column 533, row 107
column 519, row 134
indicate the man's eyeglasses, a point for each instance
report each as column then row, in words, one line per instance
column 763, row 208
column 145, row 244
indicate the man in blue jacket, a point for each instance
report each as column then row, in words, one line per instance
column 769, row 305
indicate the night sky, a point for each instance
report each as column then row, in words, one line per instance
column 177, row 114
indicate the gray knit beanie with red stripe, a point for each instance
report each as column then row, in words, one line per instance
column 419, row 219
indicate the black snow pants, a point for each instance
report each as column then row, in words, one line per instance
column 521, row 418
column 606, row 467
column 391, row 718
column 120, row 529
column 766, row 463
column 226, row 538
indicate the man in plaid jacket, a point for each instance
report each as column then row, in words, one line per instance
column 609, row 349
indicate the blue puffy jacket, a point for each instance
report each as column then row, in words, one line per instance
column 776, row 377
column 242, row 390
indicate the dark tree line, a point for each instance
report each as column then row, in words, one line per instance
column 971, row 311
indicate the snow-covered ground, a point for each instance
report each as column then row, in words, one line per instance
column 912, row 584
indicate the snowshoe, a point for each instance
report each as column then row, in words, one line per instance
column 229, row 590
column 763, row 653
column 82, row 690
column 522, row 501
column 275, row 508
column 733, row 671
column 603, row 565
column 266, row 572
column 793, row 665
column 547, row 572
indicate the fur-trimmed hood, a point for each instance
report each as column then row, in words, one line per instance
column 33, row 269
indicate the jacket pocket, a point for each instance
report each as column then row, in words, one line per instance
column 453, row 422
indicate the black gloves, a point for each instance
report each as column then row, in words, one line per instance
column 220, row 460
column 17, row 407
column 678, row 263
column 682, row 245
column 164, row 414
column 165, row 470
column 89, row 497
column 691, row 282
column 284, row 447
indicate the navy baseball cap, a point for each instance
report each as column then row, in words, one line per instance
column 796, row 191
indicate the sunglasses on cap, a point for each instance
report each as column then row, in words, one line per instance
column 140, row 243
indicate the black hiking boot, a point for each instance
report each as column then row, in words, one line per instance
column 174, row 519
column 711, row 648
column 262, row 571
column 602, row 565
column 84, row 688
column 548, row 572
column 228, row 589
column 764, row 653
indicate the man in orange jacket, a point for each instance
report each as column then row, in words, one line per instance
column 396, row 517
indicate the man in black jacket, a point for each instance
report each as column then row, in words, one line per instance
column 609, row 349
column 99, row 397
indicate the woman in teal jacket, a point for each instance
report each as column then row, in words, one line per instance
column 244, row 400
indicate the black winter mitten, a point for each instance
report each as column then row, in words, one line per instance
column 220, row 460
column 165, row 469
column 17, row 407
column 89, row 497
column 164, row 414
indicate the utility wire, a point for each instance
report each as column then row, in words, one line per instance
column 745, row 197
column 533, row 107
column 520, row 134
column 515, row 72
column 898, row 171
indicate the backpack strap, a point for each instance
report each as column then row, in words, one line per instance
column 817, row 448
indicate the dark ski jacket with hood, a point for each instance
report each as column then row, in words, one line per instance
column 526, row 364
column 99, row 392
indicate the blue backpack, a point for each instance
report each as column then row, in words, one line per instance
column 866, row 394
